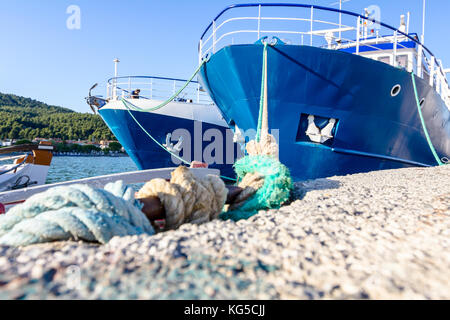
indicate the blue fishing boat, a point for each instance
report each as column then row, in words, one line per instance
column 157, row 132
column 347, row 93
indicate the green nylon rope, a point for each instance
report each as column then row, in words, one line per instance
column 135, row 108
column 125, row 103
column 261, row 98
column 430, row 144
column 175, row 94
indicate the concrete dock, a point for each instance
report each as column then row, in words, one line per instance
column 378, row 235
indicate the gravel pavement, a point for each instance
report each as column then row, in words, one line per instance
column 378, row 235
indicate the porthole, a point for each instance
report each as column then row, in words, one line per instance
column 422, row 102
column 396, row 90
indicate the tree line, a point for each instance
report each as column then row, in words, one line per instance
column 25, row 118
column 113, row 146
column 64, row 147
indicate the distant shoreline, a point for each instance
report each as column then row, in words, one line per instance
column 57, row 154
column 91, row 155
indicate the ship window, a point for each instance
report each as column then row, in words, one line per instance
column 385, row 59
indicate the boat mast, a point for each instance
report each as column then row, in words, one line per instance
column 116, row 64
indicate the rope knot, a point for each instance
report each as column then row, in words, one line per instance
column 186, row 198
column 267, row 146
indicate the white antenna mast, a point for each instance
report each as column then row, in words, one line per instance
column 407, row 23
column 340, row 20
column 423, row 22
column 116, row 63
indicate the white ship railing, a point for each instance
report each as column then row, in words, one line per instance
column 156, row 88
column 323, row 27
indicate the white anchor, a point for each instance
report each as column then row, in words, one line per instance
column 317, row 135
column 169, row 145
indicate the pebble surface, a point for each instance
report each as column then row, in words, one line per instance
column 377, row 235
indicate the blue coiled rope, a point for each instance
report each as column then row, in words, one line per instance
column 77, row 212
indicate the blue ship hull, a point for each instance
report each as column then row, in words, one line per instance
column 374, row 129
column 146, row 154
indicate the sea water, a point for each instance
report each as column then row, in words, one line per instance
column 72, row 168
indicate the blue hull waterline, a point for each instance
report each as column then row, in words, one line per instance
column 375, row 129
column 146, row 154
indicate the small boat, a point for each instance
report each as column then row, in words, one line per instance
column 14, row 197
column 28, row 169
column 347, row 93
column 189, row 128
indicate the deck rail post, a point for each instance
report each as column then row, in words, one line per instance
column 420, row 61
column 432, row 70
column 200, row 51
column 440, row 80
column 394, row 52
column 340, row 20
column 198, row 92
column 358, row 34
column 214, row 36
column 259, row 22
column 311, row 29
column 445, row 87
column 151, row 89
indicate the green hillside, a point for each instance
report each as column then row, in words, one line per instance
column 25, row 118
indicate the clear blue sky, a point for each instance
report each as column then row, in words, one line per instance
column 42, row 59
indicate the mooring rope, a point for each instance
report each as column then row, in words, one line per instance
column 81, row 212
column 422, row 120
column 176, row 94
column 186, row 198
column 77, row 212
column 129, row 106
column 267, row 183
column 125, row 103
column 263, row 96
column 264, row 143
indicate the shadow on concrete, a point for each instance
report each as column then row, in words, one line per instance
column 303, row 187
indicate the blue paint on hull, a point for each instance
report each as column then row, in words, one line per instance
column 375, row 130
column 145, row 153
